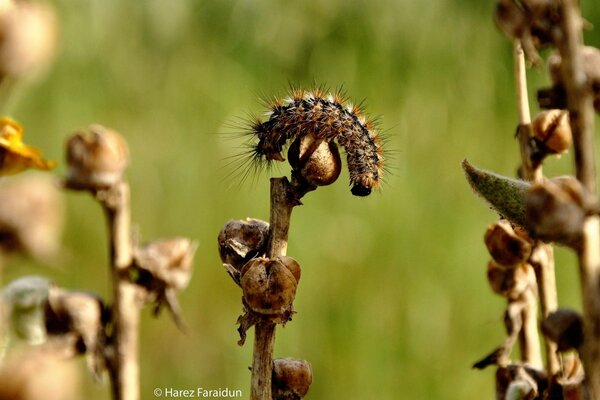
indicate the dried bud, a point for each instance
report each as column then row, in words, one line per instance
column 31, row 216
column 81, row 314
column 509, row 282
column 240, row 241
column 591, row 68
column 96, row 159
column 506, row 246
column 556, row 209
column 291, row 378
column 27, row 37
column 269, row 286
column 565, row 328
column 552, row 131
column 316, row 160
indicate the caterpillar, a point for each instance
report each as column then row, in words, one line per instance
column 327, row 116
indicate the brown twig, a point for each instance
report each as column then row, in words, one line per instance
column 124, row 365
column 284, row 197
column 581, row 113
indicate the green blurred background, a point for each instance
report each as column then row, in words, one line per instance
column 393, row 301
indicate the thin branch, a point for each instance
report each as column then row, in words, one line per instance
column 529, row 337
column 124, row 366
column 581, row 114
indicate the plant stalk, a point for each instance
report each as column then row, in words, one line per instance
column 282, row 203
column 124, row 365
column 581, row 113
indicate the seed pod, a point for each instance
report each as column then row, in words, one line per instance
column 316, row 160
column 509, row 282
column 505, row 246
column 241, row 240
column 565, row 328
column 81, row 314
column 556, row 209
column 269, row 286
column 168, row 260
column 552, row 131
column 291, row 378
column 96, row 159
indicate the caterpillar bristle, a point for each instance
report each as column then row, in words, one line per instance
column 328, row 116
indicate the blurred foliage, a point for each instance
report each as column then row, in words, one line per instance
column 393, row 301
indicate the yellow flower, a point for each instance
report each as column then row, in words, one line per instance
column 16, row 156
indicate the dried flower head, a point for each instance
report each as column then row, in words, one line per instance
column 165, row 268
column 96, row 159
column 16, row 156
column 31, row 216
column 552, row 131
column 27, row 37
column 291, row 378
column 81, row 314
column 507, row 246
column 269, row 286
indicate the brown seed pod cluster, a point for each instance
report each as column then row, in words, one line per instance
column 291, row 378
column 96, row 159
column 269, row 285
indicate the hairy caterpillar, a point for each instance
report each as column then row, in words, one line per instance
column 327, row 116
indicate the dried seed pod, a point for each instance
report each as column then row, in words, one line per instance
column 31, row 216
column 241, row 240
column 165, row 267
column 505, row 246
column 25, row 298
column 82, row 314
column 565, row 328
column 509, row 282
column 556, row 209
column 269, row 286
column 552, row 131
column 318, row 161
column 591, row 68
column 27, row 37
column 291, row 378
column 96, row 159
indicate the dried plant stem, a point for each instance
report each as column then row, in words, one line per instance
column 580, row 103
column 529, row 336
column 264, row 332
column 124, row 366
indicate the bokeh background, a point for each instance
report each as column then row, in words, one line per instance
column 393, row 301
